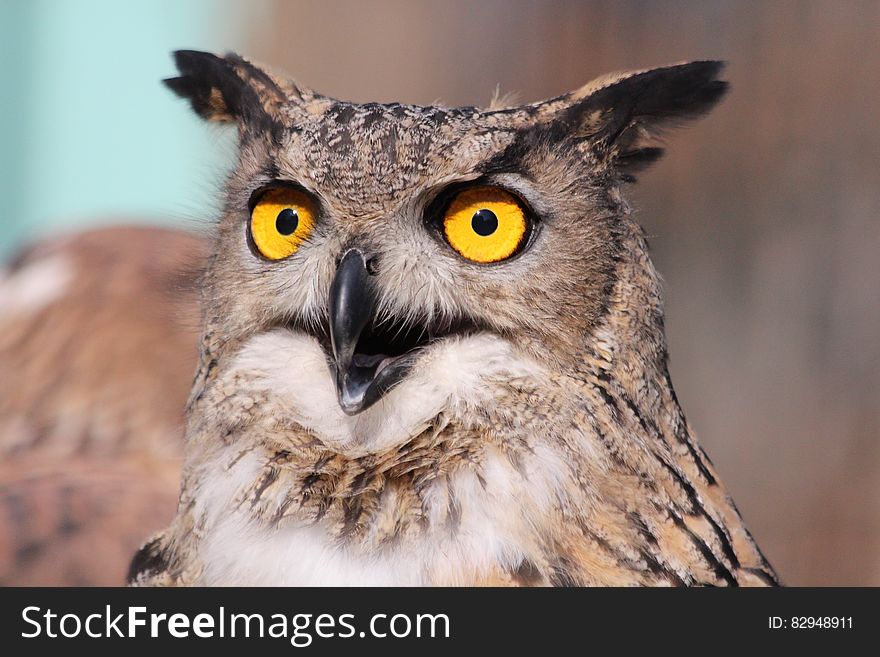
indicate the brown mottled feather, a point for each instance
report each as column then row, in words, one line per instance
column 580, row 469
column 91, row 401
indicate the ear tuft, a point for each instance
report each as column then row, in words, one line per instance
column 652, row 98
column 624, row 115
column 209, row 83
column 682, row 91
column 230, row 88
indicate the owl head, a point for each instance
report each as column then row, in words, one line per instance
column 386, row 233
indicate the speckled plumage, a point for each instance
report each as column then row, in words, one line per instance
column 542, row 445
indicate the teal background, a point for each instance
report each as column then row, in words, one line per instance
column 88, row 135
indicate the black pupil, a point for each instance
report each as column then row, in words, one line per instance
column 287, row 221
column 484, row 222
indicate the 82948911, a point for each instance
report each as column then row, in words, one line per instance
column 810, row 623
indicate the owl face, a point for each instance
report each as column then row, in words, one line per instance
column 385, row 233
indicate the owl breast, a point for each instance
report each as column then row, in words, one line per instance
column 308, row 495
column 471, row 534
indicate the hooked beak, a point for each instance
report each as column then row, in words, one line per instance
column 361, row 378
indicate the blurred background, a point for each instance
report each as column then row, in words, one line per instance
column 764, row 220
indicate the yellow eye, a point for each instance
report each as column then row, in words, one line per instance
column 281, row 221
column 485, row 224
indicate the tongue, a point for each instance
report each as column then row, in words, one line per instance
column 368, row 360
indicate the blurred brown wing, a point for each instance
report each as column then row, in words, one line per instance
column 98, row 340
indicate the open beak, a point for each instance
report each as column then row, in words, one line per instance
column 362, row 377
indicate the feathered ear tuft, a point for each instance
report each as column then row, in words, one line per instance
column 210, row 84
column 623, row 115
column 229, row 88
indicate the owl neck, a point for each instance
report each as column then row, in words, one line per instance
column 625, row 360
column 627, row 344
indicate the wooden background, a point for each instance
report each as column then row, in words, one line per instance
column 764, row 217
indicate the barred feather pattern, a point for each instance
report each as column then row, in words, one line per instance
column 590, row 476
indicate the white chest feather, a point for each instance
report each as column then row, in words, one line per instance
column 497, row 519
column 491, row 531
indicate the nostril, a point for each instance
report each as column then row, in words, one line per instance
column 372, row 265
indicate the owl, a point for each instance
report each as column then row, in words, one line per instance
column 433, row 349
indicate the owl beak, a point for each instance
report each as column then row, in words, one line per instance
column 361, row 378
